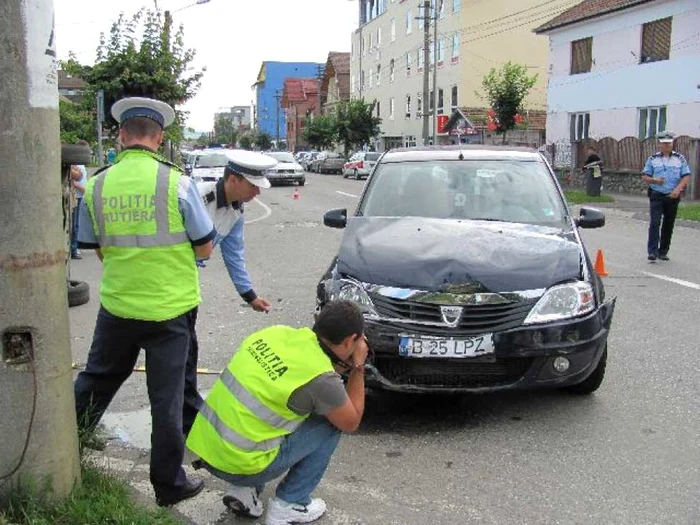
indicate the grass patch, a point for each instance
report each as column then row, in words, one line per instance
column 100, row 499
column 580, row 197
column 689, row 212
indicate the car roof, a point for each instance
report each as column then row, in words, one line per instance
column 468, row 152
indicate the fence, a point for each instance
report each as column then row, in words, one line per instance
column 628, row 154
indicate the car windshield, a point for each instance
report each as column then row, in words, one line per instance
column 281, row 156
column 211, row 160
column 494, row 190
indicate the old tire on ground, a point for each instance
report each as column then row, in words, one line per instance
column 75, row 154
column 78, row 293
column 593, row 381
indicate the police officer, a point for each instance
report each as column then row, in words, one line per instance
column 278, row 408
column 242, row 181
column 667, row 174
column 147, row 223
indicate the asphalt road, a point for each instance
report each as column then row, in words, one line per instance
column 628, row 454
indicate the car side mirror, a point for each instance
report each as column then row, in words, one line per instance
column 590, row 218
column 336, row 218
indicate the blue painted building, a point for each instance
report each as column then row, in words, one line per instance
column 270, row 80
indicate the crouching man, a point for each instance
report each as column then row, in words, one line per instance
column 279, row 407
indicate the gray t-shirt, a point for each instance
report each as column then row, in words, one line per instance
column 319, row 396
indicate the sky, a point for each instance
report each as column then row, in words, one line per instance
column 231, row 37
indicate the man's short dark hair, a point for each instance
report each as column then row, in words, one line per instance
column 228, row 172
column 140, row 127
column 339, row 319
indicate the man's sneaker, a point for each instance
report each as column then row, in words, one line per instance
column 651, row 257
column 243, row 501
column 282, row 513
column 663, row 257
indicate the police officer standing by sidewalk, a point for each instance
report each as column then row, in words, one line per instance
column 147, row 223
column 224, row 199
column 667, row 174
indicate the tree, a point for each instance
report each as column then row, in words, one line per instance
column 263, row 141
column 203, row 139
column 77, row 122
column 153, row 64
column 246, row 141
column 506, row 88
column 321, row 132
column 224, row 131
column 356, row 123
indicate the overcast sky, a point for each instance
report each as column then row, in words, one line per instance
column 232, row 38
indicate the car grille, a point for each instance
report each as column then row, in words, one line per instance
column 282, row 171
column 475, row 318
column 453, row 372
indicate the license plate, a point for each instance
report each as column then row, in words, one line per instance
column 436, row 347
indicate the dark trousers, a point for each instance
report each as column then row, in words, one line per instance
column 74, row 228
column 662, row 210
column 192, row 398
column 115, row 348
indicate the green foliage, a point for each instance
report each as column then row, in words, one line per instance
column 141, row 57
column 77, row 122
column 203, row 139
column 263, row 141
column 246, row 141
column 506, row 88
column 356, row 123
column 99, row 499
column 224, row 131
column 689, row 212
column 321, row 132
column 580, row 197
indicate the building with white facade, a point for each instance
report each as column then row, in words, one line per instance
column 624, row 68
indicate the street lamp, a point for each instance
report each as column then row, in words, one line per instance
column 198, row 2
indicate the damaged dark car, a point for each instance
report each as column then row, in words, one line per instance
column 472, row 275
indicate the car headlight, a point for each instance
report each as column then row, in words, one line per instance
column 349, row 290
column 563, row 301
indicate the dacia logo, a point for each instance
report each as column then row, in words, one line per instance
column 451, row 315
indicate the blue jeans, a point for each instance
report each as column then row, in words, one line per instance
column 661, row 207
column 305, row 453
column 74, row 229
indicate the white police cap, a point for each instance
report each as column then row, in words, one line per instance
column 156, row 110
column 251, row 165
column 665, row 136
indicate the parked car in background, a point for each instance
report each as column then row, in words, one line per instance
column 328, row 162
column 471, row 274
column 307, row 161
column 360, row 165
column 208, row 165
column 287, row 169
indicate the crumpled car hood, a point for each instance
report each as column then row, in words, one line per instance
column 458, row 256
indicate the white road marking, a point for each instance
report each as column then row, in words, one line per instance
column 687, row 284
column 348, row 194
column 267, row 209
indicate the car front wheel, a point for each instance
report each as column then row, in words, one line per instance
column 593, row 381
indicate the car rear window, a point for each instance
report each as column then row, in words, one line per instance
column 214, row 160
column 371, row 156
column 499, row 190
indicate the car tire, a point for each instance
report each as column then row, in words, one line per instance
column 357, row 175
column 75, row 154
column 593, row 381
column 78, row 293
column 345, row 174
column 302, row 182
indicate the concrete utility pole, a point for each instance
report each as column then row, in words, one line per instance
column 320, row 70
column 38, row 426
column 278, row 96
column 426, row 72
column 435, row 66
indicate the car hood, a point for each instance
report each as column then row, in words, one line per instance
column 458, row 256
column 286, row 166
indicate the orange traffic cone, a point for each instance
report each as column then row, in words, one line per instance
column 600, row 264
column 296, row 194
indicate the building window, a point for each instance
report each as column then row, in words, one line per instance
column 409, row 62
column 440, row 101
column 578, row 125
column 455, row 48
column 362, row 80
column 440, row 4
column 441, row 51
column 454, row 97
column 391, row 108
column 456, row 6
column 363, row 46
column 431, row 52
column 371, row 77
column 420, row 59
column 408, row 106
column 378, row 113
column 419, row 105
column 581, row 55
column 393, row 29
column 651, row 121
column 379, row 75
column 391, row 70
column 409, row 22
column 656, row 40
column 432, row 99
column 379, row 36
column 409, row 141
column 370, row 43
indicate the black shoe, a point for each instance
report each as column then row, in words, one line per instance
column 76, row 255
column 651, row 257
column 191, row 489
column 663, row 257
